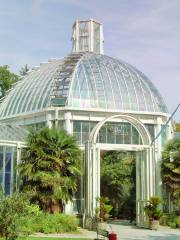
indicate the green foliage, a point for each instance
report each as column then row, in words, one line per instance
column 50, row 223
column 102, row 212
column 7, row 77
column 173, row 221
column 152, row 210
column 50, row 168
column 118, row 180
column 171, row 168
column 13, row 212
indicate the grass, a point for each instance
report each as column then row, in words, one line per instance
column 47, row 238
column 51, row 238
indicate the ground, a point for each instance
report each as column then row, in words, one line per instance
column 127, row 232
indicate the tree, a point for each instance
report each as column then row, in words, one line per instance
column 118, row 181
column 50, row 168
column 7, row 78
column 171, row 168
column 13, row 211
column 23, row 71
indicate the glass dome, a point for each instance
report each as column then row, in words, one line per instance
column 83, row 81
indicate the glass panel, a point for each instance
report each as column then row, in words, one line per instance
column 102, row 135
column 85, row 127
column 85, row 137
column 96, row 37
column 76, row 126
column 8, row 159
column 78, row 137
column 127, row 133
column 164, row 136
column 110, row 133
column 1, row 180
column 135, row 136
column 7, row 183
column 150, row 128
column 119, row 131
column 1, row 158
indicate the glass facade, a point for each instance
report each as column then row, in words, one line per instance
column 8, row 162
column 36, row 126
column 114, row 133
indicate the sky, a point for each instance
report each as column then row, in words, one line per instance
column 144, row 33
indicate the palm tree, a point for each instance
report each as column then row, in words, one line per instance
column 171, row 168
column 50, row 168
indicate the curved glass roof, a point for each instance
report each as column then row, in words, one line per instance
column 104, row 82
column 12, row 133
column 83, row 81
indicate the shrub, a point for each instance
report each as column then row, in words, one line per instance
column 13, row 211
column 177, row 221
column 164, row 219
column 50, row 223
column 173, row 221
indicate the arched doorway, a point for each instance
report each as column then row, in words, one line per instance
column 145, row 178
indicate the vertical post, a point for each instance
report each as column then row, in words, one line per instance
column 88, row 179
column 95, row 176
column 91, row 35
column 158, row 180
column 101, row 40
column 48, row 119
column 138, row 187
column 68, row 128
column 67, row 122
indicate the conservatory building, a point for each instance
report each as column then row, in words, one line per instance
column 106, row 103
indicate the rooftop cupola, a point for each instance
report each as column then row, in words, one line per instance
column 87, row 36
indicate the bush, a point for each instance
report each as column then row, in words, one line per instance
column 177, row 221
column 174, row 221
column 164, row 219
column 170, row 220
column 50, row 223
column 13, row 212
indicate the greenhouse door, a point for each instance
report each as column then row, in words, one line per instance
column 144, row 170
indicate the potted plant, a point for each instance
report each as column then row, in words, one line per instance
column 102, row 212
column 153, row 212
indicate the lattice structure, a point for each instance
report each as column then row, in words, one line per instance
column 63, row 79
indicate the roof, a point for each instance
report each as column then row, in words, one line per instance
column 12, row 133
column 83, row 81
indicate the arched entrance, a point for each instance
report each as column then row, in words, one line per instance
column 145, row 178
